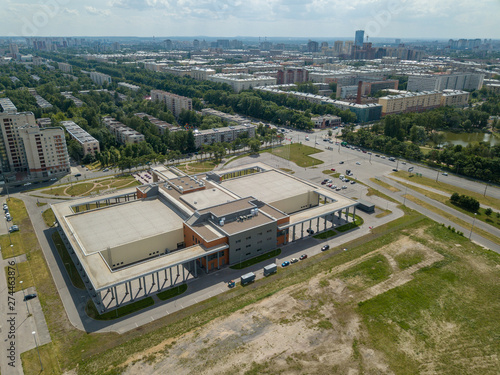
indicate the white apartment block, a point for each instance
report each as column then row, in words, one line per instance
column 241, row 82
column 6, row 105
column 440, row 82
column 227, row 134
column 64, row 67
column 410, row 102
column 89, row 144
column 123, row 134
column 100, row 78
column 25, row 147
column 129, row 86
column 202, row 74
column 175, row 103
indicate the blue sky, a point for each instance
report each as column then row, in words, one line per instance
column 295, row 18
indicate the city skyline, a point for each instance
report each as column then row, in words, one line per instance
column 272, row 18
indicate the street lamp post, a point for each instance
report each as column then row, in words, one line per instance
column 24, row 296
column 36, row 343
column 486, row 187
column 473, row 222
column 404, row 198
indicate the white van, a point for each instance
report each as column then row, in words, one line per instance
column 342, row 177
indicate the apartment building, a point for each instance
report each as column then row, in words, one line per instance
column 241, row 82
column 440, row 82
column 6, row 105
column 89, row 144
column 454, row 98
column 202, row 74
column 175, row 103
column 123, row 134
column 25, row 147
column 292, row 75
column 162, row 126
column 410, row 102
column 227, row 134
column 45, row 150
column 240, row 120
column 100, row 78
column 64, row 67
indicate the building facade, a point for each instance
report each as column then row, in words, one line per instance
column 410, row 102
column 175, row 103
column 241, row 82
column 440, row 82
column 89, row 144
column 123, row 134
column 227, row 134
column 100, row 78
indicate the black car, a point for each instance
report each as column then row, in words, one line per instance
column 310, row 231
column 326, row 247
column 27, row 297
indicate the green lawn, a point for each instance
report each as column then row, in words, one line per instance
column 91, row 310
column 297, row 153
column 23, row 275
column 25, row 238
column 260, row 258
column 368, row 273
column 173, row 292
column 325, row 235
column 48, row 217
column 448, row 189
column 409, row 258
column 357, row 222
column 68, row 262
column 197, row 167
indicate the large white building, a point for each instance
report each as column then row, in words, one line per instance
column 65, row 67
column 241, row 82
column 89, row 144
column 175, row 103
column 27, row 148
column 100, row 78
column 440, row 82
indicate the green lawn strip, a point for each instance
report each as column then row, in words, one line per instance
column 68, row 262
column 369, row 272
column 258, row 259
column 173, row 292
column 100, row 361
column 48, row 217
column 357, row 222
column 23, row 275
column 130, row 308
column 409, row 258
column 448, row 189
column 59, row 190
column 493, row 220
column 48, row 356
column 287, row 170
column 41, row 204
column 297, row 153
column 325, row 235
column 447, row 315
column 25, row 238
column 372, row 191
column 383, row 213
column 384, row 185
column 453, row 218
column 80, row 189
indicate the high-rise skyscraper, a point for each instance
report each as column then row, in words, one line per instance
column 358, row 40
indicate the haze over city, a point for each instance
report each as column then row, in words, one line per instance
column 272, row 18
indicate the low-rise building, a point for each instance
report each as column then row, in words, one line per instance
column 162, row 126
column 326, row 121
column 123, row 134
column 129, row 86
column 241, row 82
column 175, row 103
column 227, row 134
column 454, row 98
column 100, row 78
column 89, row 144
column 64, row 67
column 202, row 74
column 410, row 102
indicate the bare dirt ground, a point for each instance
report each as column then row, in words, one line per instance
column 311, row 328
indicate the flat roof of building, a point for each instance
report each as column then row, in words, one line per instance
column 206, row 198
column 124, row 223
column 269, row 186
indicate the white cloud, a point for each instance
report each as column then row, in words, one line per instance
column 97, row 12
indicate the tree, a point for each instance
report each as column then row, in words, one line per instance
column 488, row 211
column 254, row 145
column 417, row 134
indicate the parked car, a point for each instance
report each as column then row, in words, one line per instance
column 231, row 284
column 303, row 256
column 27, row 184
column 326, row 247
column 344, row 187
column 13, row 228
column 338, row 189
column 377, row 155
column 78, row 175
column 334, row 186
column 403, row 162
column 333, row 169
column 341, row 162
column 285, row 263
column 8, row 217
column 353, row 182
column 27, row 297
column 294, row 260
column 310, row 231
column 358, row 163
column 394, row 169
column 105, row 170
column 53, row 179
column 445, row 174
column 323, row 182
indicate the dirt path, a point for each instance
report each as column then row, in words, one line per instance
column 309, row 328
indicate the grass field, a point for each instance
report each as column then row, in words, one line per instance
column 258, row 259
column 297, row 153
column 368, row 273
column 48, row 217
column 92, row 186
column 384, row 185
column 91, row 310
column 23, row 275
column 197, row 167
column 448, row 189
column 171, row 293
column 453, row 218
column 25, row 238
column 493, row 219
